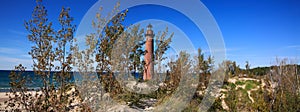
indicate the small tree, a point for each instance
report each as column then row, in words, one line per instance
column 285, row 85
column 48, row 46
column 203, row 68
column 128, row 51
column 20, row 97
column 162, row 42
column 247, row 67
column 63, row 52
column 104, row 49
column 42, row 52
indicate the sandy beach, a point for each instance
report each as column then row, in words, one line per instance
column 3, row 97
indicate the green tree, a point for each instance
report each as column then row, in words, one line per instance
column 162, row 42
column 247, row 67
column 128, row 50
column 235, row 68
column 137, row 41
column 204, row 67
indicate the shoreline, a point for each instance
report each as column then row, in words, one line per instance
column 3, row 97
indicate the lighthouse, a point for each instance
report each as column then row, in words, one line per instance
column 149, row 65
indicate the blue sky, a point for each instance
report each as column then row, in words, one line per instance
column 253, row 30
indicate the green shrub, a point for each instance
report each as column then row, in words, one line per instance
column 239, row 82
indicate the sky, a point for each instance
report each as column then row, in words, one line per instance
column 258, row 31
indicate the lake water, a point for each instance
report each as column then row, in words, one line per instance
column 35, row 81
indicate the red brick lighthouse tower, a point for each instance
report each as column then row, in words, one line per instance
column 149, row 66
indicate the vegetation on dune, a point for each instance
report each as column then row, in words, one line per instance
column 264, row 92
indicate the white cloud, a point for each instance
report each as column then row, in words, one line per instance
column 226, row 50
column 293, row 46
column 297, row 47
column 286, row 57
column 6, row 50
column 17, row 32
column 26, row 56
column 290, row 47
column 240, row 55
column 221, row 50
column 8, row 63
